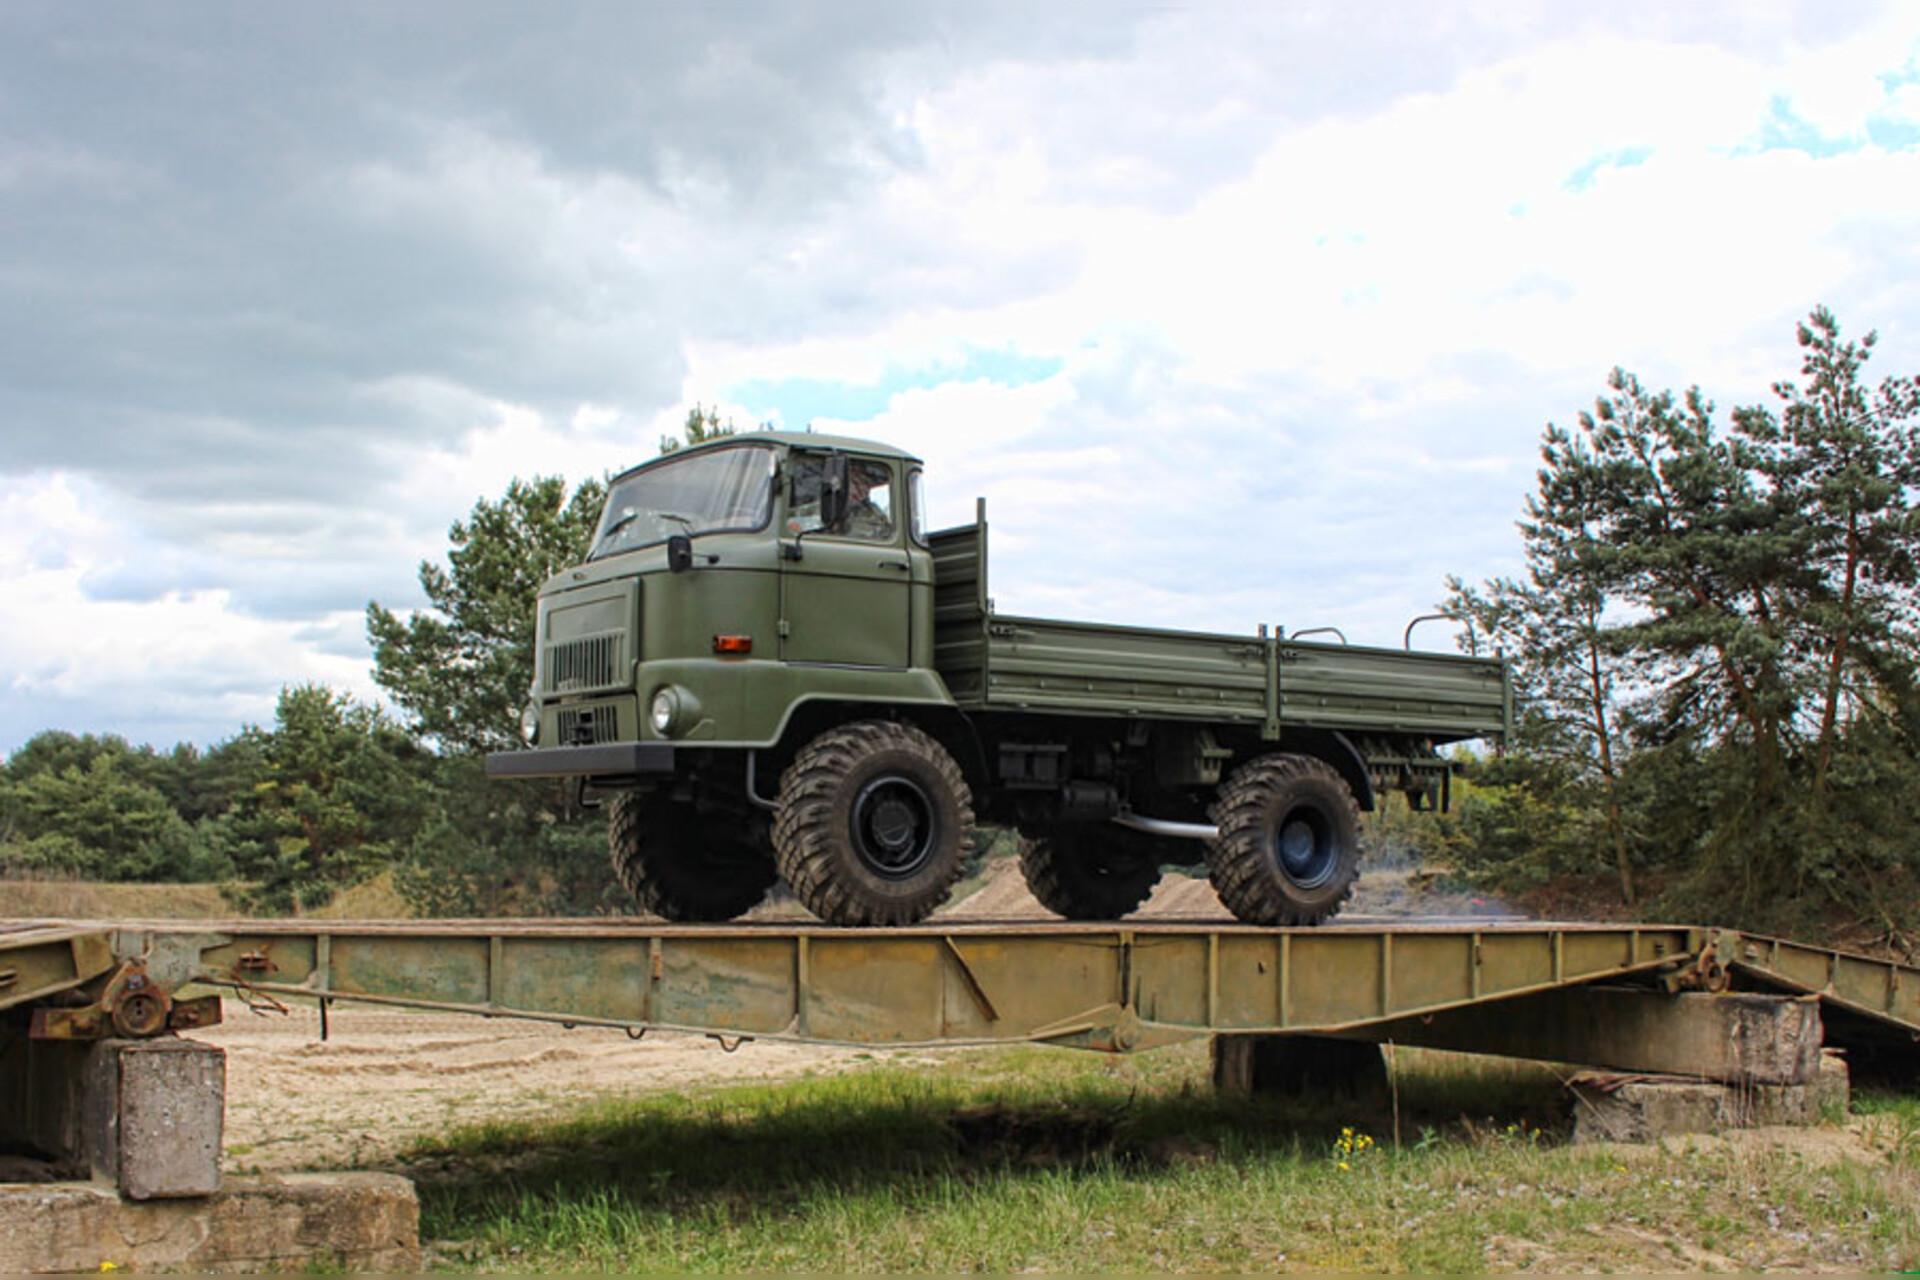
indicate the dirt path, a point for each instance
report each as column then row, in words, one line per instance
column 384, row 1078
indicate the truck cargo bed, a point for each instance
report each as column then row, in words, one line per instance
column 994, row 661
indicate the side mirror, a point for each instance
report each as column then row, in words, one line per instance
column 679, row 553
column 835, row 484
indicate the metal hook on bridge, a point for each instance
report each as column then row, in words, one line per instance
column 258, row 1002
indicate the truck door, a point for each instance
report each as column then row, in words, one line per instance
column 846, row 601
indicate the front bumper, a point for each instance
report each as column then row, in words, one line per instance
column 599, row 760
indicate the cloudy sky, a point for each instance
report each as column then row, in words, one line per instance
column 1236, row 314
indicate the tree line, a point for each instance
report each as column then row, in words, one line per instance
column 1714, row 644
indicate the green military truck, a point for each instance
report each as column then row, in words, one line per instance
column 772, row 668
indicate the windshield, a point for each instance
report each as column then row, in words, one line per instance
column 701, row 493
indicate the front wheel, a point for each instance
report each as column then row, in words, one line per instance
column 1288, row 849
column 872, row 824
column 680, row 866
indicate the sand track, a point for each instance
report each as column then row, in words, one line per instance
column 384, row 1079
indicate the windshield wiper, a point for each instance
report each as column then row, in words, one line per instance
column 627, row 519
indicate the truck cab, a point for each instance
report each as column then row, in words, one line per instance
column 715, row 570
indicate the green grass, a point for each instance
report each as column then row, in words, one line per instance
column 1033, row 1159
column 1897, row 1127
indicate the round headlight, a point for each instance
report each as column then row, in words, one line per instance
column 530, row 723
column 666, row 709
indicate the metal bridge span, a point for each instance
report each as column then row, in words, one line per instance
column 1116, row 987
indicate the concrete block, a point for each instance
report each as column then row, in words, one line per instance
column 173, row 1107
column 1833, row 1087
column 1613, row 1108
column 1735, row 1038
column 358, row 1222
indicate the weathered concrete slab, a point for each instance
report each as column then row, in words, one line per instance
column 357, row 1222
column 1342, row 1070
column 1755, row 1039
column 145, row 1115
column 1613, row 1108
column 173, row 1108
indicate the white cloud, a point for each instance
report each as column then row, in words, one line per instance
column 179, row 666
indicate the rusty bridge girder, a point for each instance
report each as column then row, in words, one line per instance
column 1115, row 987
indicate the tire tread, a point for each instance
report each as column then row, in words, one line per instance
column 1238, row 862
column 805, row 838
column 666, row 877
column 1047, row 863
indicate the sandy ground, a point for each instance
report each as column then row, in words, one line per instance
column 383, row 1078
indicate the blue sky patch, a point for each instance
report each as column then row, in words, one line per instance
column 795, row 402
column 1893, row 135
column 1782, row 130
column 1625, row 158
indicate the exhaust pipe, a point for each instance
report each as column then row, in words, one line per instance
column 1161, row 827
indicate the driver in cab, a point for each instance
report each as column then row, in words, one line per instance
column 869, row 501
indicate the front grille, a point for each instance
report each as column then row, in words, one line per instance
column 600, row 724
column 591, row 662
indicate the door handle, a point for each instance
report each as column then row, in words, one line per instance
column 901, row 565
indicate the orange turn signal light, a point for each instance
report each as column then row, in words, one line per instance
column 733, row 644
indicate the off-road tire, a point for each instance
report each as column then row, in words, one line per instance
column 680, row 866
column 873, row 824
column 1089, row 871
column 1288, row 851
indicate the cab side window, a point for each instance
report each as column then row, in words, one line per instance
column 917, row 507
column 870, row 504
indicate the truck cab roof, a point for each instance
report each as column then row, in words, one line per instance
column 796, row 440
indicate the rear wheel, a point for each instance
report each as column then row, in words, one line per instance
column 1288, row 851
column 682, row 866
column 872, row 824
column 1090, row 871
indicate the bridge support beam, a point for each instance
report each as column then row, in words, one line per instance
column 1733, row 1039
column 1315, row 1066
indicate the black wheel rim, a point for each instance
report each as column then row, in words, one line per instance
column 894, row 827
column 1304, row 848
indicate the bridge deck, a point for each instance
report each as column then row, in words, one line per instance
column 1117, row 986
